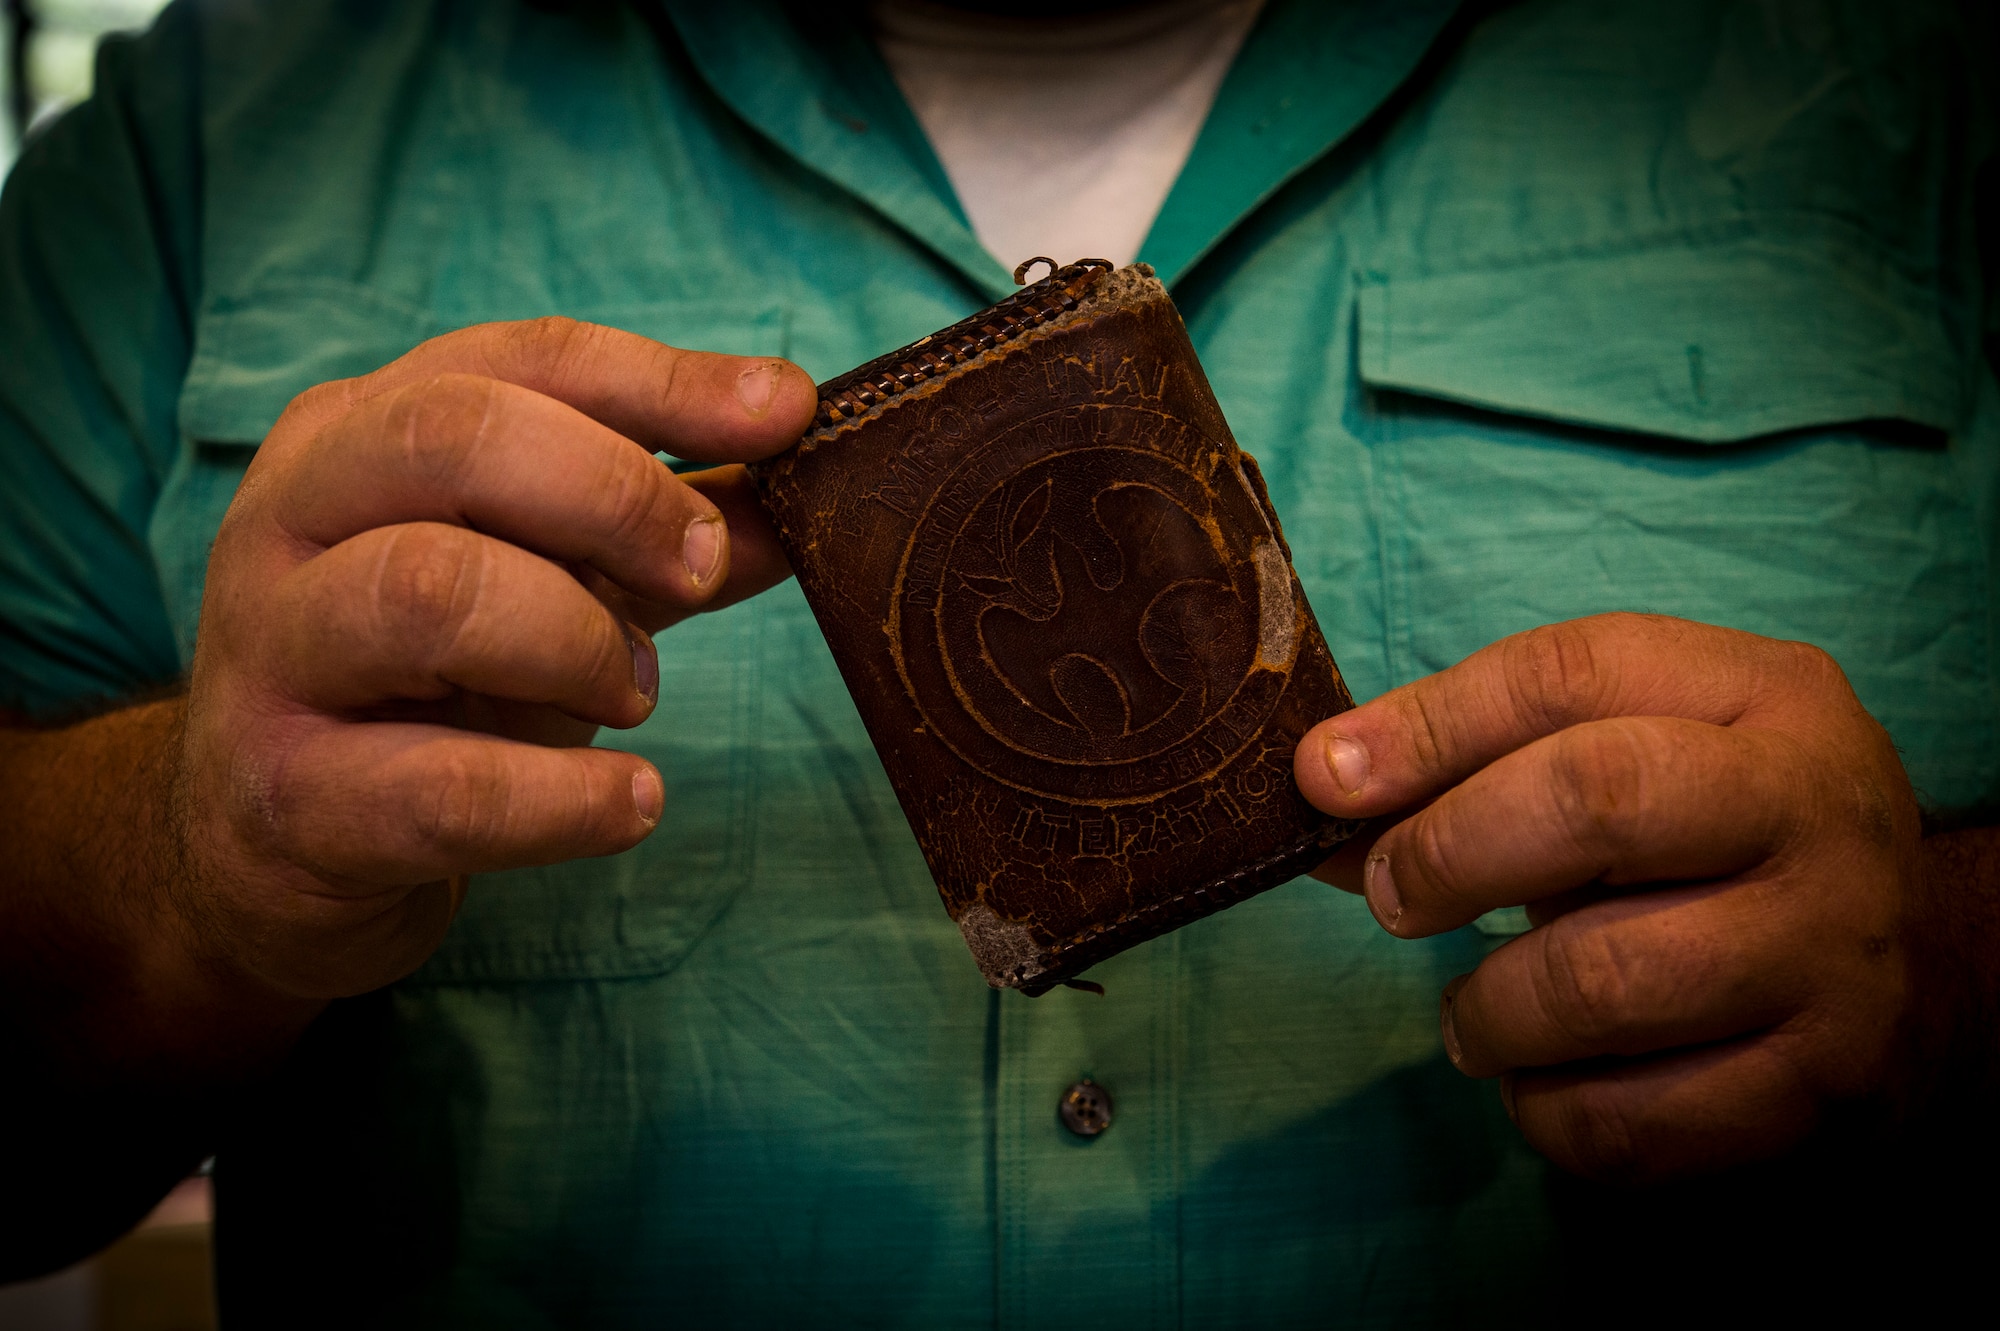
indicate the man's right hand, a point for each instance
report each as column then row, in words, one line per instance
column 434, row 584
column 436, row 581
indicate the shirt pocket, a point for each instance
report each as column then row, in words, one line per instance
column 1711, row 345
column 1768, row 434
column 631, row 915
column 254, row 353
column 642, row 912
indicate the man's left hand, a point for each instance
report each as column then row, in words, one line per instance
column 1718, row 846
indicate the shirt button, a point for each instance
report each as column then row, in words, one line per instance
column 1085, row 1108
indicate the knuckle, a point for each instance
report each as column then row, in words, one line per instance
column 1811, row 666
column 440, row 423
column 319, row 401
column 1873, row 815
column 476, row 808
column 589, row 816
column 1599, row 1135
column 462, row 804
column 1586, row 985
column 552, row 335
column 1598, row 779
column 549, row 350
column 427, row 583
column 634, row 498
column 264, row 795
column 1556, row 673
column 610, row 654
column 1438, row 853
column 1423, row 717
column 669, row 376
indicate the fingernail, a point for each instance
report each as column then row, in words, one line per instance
column 1349, row 761
column 1447, row 1022
column 756, row 386
column 701, row 548
column 1380, row 886
column 645, row 664
column 649, row 797
column 1507, row 1097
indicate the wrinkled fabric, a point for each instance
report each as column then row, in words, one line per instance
column 1527, row 313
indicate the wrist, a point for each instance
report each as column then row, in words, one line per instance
column 110, row 971
column 217, row 1003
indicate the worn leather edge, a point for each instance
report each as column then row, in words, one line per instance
column 1071, row 958
column 1255, row 475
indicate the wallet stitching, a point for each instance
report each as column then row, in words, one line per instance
column 881, row 381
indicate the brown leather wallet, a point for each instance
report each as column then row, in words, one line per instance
column 1064, row 607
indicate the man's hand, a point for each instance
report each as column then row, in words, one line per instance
column 1721, row 854
column 435, row 583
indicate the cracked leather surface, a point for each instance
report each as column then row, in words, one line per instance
column 1066, row 612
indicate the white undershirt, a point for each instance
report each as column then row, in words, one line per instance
column 1062, row 136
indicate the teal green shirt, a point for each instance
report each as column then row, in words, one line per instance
column 1528, row 313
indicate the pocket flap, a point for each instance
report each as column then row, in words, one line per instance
column 1711, row 344
column 254, row 354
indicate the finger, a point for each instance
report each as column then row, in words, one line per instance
column 385, row 802
column 1697, row 1112
column 1638, row 799
column 1630, row 976
column 756, row 560
column 504, row 460
column 422, row 610
column 1343, row 869
column 338, row 945
column 693, row 404
column 1424, row 737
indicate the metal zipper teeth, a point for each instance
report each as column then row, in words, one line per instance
column 856, row 393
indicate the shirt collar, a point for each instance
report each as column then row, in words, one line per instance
column 1310, row 72
column 807, row 78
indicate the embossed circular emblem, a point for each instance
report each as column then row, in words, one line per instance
column 1077, row 609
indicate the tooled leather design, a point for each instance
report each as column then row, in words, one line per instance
column 1086, row 625
column 1066, row 613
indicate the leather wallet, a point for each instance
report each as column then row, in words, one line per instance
column 1062, row 603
